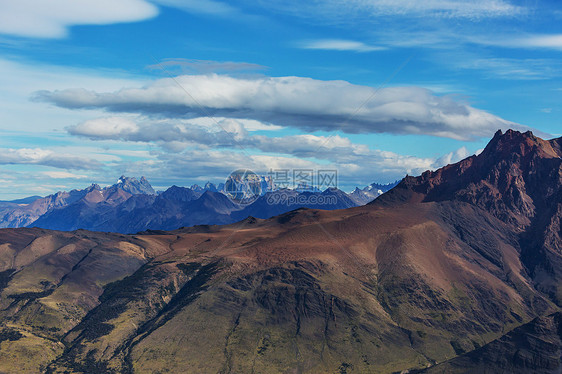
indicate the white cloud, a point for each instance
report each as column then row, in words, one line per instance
column 107, row 127
column 519, row 40
column 178, row 139
column 553, row 41
column 63, row 175
column 46, row 157
column 304, row 103
column 51, row 19
column 339, row 45
column 452, row 157
column 248, row 124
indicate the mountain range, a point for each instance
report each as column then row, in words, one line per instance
column 455, row 271
column 132, row 205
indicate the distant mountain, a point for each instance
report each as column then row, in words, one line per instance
column 134, row 187
column 25, row 215
column 182, row 194
column 179, row 207
column 85, row 199
column 132, row 205
column 370, row 193
column 25, row 200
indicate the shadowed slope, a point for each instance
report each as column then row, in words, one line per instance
column 535, row 347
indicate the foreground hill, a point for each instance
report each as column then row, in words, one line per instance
column 442, row 265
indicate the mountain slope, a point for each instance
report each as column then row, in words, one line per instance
column 518, row 179
column 410, row 281
column 325, row 285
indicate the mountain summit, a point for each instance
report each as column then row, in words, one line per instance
column 514, row 178
column 134, row 186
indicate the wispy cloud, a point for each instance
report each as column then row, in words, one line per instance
column 46, row 157
column 517, row 40
column 516, row 69
column 553, row 41
column 63, row 175
column 303, row 103
column 330, row 11
column 51, row 19
column 338, row 45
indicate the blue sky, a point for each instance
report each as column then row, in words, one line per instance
column 187, row 91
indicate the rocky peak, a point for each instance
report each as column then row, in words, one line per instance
column 520, row 143
column 516, row 173
column 210, row 187
column 134, row 186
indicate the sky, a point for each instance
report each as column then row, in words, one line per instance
column 185, row 92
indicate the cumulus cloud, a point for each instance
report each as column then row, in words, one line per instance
column 452, row 157
column 339, row 45
column 303, row 103
column 182, row 141
column 177, row 135
column 218, row 164
column 105, row 128
column 51, row 19
column 45, row 157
